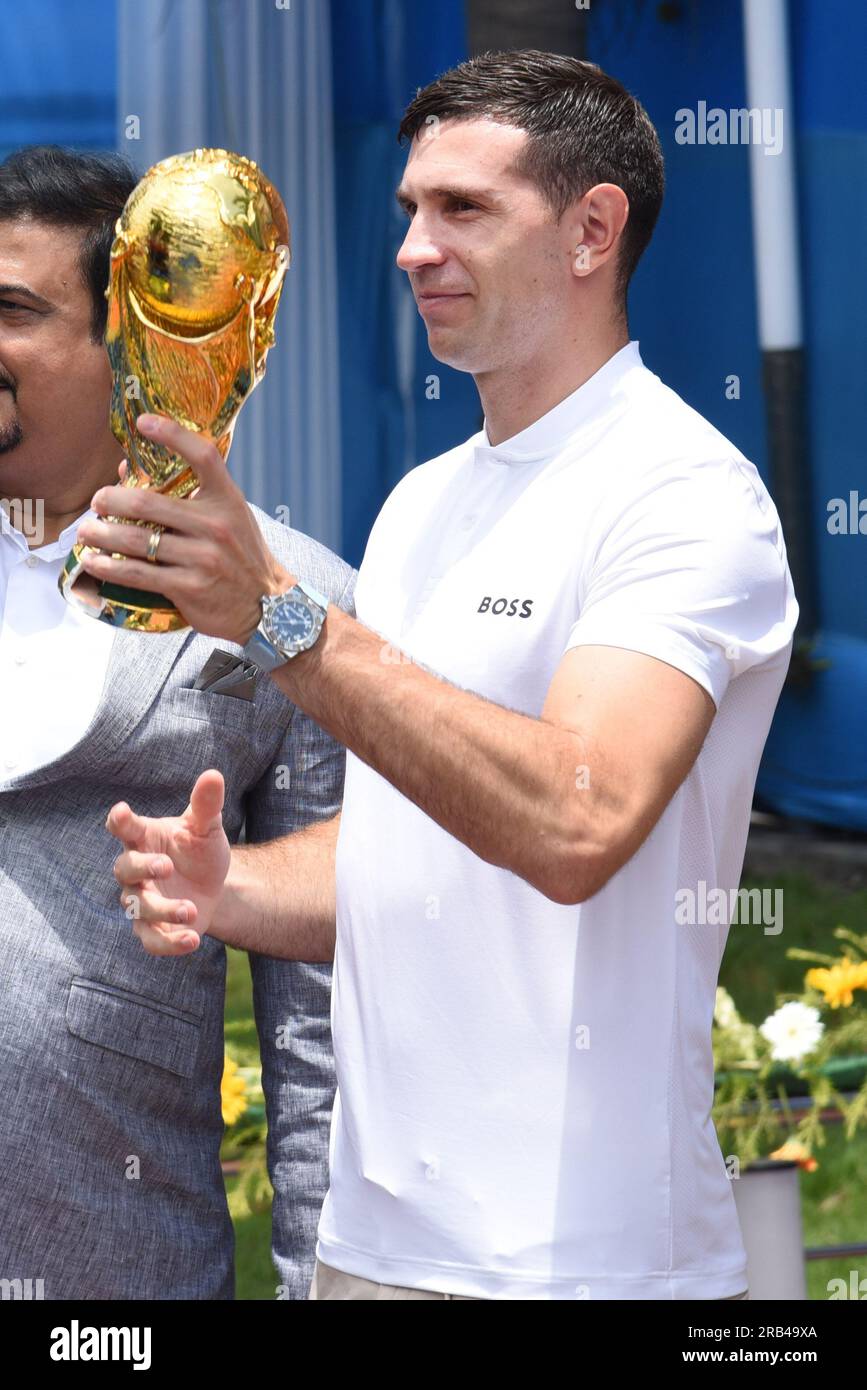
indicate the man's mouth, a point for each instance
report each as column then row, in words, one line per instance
column 429, row 300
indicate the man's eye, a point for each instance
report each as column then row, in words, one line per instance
column 11, row 304
column 461, row 205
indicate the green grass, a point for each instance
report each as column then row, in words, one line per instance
column 255, row 1276
column 755, row 968
column 240, row 1025
column 834, row 1206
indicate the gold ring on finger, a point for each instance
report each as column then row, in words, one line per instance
column 154, row 539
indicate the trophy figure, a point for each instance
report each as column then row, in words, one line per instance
column 197, row 267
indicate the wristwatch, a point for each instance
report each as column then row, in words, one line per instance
column 291, row 623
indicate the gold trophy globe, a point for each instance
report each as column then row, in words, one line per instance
column 197, row 267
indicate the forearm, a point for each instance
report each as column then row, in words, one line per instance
column 279, row 897
column 502, row 783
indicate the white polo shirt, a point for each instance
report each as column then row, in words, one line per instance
column 524, row 1088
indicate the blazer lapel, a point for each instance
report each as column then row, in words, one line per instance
column 138, row 667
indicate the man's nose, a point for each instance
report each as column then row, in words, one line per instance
column 419, row 247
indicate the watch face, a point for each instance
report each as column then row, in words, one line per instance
column 290, row 622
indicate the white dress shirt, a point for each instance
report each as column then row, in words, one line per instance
column 53, row 659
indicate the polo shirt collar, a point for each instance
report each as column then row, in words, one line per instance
column 549, row 432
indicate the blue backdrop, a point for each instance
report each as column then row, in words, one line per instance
column 692, row 304
column 58, row 73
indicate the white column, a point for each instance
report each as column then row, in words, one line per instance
column 772, row 177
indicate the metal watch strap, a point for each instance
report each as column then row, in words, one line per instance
column 260, row 650
column 312, row 593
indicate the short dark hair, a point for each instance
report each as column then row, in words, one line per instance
column 71, row 188
column 584, row 128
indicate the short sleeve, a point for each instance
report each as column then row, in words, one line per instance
column 693, row 571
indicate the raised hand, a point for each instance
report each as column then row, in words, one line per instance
column 213, row 561
column 173, row 868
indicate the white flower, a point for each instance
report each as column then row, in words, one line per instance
column 739, row 1033
column 725, row 1014
column 793, row 1031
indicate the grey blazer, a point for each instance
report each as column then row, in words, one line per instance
column 110, row 1059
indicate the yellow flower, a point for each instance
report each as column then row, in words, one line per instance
column 798, row 1153
column 232, row 1092
column 838, row 981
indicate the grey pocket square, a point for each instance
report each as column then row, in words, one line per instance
column 226, row 674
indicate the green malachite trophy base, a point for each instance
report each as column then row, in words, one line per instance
column 135, row 610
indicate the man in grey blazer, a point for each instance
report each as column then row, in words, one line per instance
column 110, row 1063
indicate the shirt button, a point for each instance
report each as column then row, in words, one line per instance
column 11, row 762
column 31, row 562
column 467, row 523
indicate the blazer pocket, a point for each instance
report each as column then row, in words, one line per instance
column 133, row 1025
column 228, row 711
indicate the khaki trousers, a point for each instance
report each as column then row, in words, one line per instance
column 335, row 1284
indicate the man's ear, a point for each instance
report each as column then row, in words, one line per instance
column 593, row 228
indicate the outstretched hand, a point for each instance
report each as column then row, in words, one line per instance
column 173, row 868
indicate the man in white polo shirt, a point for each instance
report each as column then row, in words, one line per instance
column 572, row 633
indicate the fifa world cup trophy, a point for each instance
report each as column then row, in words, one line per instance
column 197, row 267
